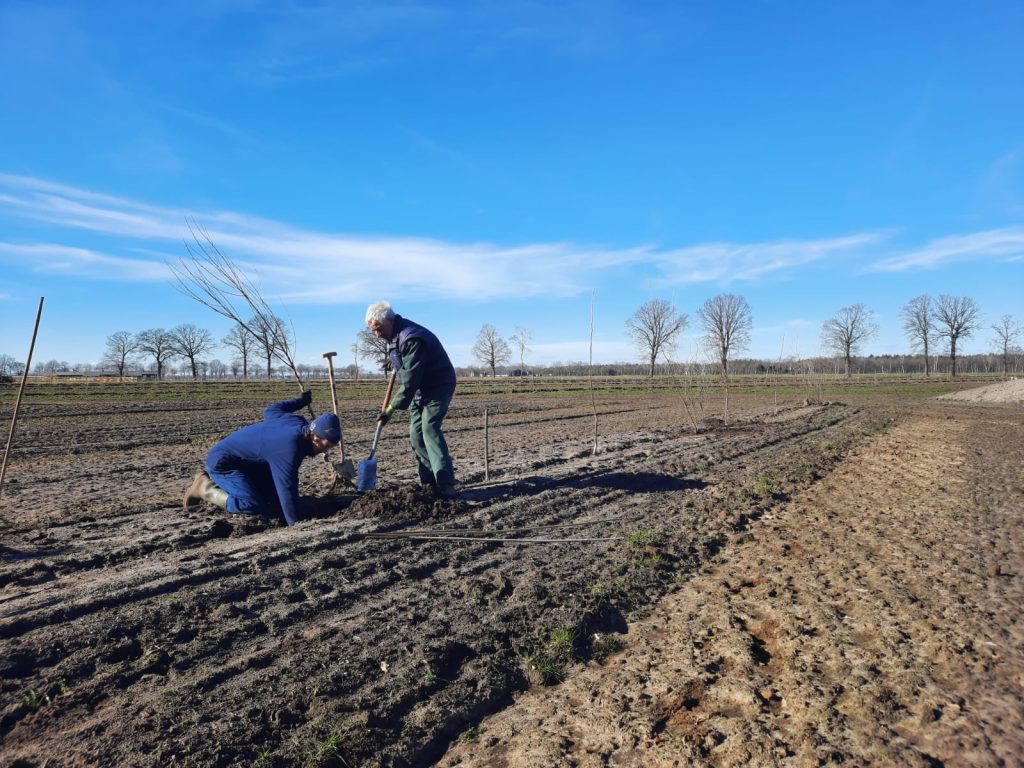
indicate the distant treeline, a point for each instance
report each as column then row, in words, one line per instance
column 871, row 364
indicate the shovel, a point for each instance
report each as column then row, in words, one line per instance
column 367, row 480
column 344, row 469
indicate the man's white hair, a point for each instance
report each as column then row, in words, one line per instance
column 379, row 312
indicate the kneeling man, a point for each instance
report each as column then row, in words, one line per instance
column 255, row 471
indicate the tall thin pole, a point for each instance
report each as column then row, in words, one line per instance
column 487, row 446
column 21, row 390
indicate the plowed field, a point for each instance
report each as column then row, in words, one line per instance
column 813, row 580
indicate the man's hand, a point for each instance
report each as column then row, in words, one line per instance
column 306, row 397
column 385, row 415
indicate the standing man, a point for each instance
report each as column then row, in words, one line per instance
column 255, row 470
column 425, row 385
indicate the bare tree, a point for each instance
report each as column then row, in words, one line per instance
column 374, row 348
column 9, row 366
column 1007, row 331
column 120, row 346
column 190, row 342
column 919, row 326
column 726, row 321
column 654, row 328
column 158, row 344
column 956, row 319
column 267, row 331
column 844, row 333
column 490, row 349
column 51, row 366
column 521, row 341
column 243, row 342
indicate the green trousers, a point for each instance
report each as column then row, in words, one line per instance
column 432, row 458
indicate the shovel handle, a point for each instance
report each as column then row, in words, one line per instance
column 391, row 388
column 380, row 427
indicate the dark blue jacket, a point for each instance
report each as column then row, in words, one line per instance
column 421, row 363
column 279, row 443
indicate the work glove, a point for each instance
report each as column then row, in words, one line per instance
column 305, row 398
column 385, row 415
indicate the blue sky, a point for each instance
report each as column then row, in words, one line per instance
column 499, row 162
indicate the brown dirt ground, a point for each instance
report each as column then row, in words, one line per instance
column 809, row 583
column 874, row 619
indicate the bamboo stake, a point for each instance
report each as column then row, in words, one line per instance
column 487, row 446
column 21, row 390
column 590, row 367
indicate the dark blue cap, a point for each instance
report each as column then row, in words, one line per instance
column 328, row 427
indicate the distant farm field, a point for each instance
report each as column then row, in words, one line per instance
column 386, row 629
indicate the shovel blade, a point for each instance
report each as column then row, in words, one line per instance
column 367, row 480
column 345, row 470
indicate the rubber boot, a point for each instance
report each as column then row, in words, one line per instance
column 204, row 489
column 194, row 495
column 215, row 495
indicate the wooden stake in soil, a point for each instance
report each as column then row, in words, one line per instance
column 21, row 390
column 487, row 447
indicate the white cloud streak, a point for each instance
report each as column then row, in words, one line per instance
column 51, row 259
column 307, row 267
column 1005, row 244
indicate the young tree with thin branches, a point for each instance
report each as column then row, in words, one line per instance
column 190, row 342
column 654, row 328
column 727, row 322
column 1008, row 330
column 956, row 319
column 210, row 277
column 158, row 344
column 844, row 333
column 491, row 349
column 243, row 342
column 120, row 347
column 521, row 341
column 918, row 325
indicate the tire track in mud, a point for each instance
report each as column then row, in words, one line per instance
column 300, row 632
column 874, row 619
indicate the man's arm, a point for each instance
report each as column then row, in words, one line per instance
column 287, row 406
column 286, row 480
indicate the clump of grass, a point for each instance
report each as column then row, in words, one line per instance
column 764, row 487
column 34, row 700
column 604, row 646
column 645, row 547
column 640, row 539
column 550, row 663
column 470, row 734
column 349, row 739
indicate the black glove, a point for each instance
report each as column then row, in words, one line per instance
column 384, row 416
column 305, row 398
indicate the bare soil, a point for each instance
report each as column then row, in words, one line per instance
column 812, row 581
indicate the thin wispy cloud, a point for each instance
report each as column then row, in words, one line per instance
column 727, row 263
column 308, row 267
column 52, row 259
column 1005, row 244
